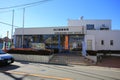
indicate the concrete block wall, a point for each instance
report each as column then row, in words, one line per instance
column 32, row 58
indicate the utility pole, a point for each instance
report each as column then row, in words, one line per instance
column 12, row 26
column 23, row 27
column 7, row 34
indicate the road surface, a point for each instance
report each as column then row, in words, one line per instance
column 37, row 71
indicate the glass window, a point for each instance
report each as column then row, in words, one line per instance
column 111, row 42
column 102, row 42
column 104, row 28
column 90, row 26
column 51, row 41
column 75, row 42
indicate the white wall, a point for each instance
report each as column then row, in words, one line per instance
column 49, row 30
column 97, row 23
column 106, row 35
column 32, row 31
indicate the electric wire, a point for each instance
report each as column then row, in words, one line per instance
column 21, row 7
column 9, row 24
column 24, row 5
column 11, row 8
column 17, row 7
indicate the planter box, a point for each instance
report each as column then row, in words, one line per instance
column 33, row 58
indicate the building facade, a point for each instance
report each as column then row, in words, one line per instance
column 53, row 37
column 79, row 34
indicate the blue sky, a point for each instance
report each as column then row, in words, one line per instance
column 57, row 12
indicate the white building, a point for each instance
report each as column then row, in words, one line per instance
column 91, row 24
column 96, row 35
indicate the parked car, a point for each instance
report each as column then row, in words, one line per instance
column 5, row 58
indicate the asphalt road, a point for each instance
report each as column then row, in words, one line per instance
column 37, row 71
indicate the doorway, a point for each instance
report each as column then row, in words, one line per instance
column 89, row 44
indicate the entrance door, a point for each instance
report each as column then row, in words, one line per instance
column 89, row 44
column 75, row 42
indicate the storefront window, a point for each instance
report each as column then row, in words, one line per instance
column 51, row 41
column 75, row 42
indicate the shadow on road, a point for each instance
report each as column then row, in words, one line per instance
column 8, row 67
column 4, row 69
column 12, row 76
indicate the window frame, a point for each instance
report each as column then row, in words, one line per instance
column 111, row 42
column 90, row 26
column 102, row 42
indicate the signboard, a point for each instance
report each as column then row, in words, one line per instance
column 38, row 45
column 68, row 33
column 6, row 45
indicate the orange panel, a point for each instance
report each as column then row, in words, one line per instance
column 66, row 42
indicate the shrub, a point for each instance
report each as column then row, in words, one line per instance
column 55, row 50
column 30, row 52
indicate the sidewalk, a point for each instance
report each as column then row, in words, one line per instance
column 110, row 61
column 75, row 59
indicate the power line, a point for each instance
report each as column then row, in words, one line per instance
column 8, row 24
column 24, row 5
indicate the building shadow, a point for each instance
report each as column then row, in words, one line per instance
column 8, row 67
column 4, row 69
column 13, row 77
